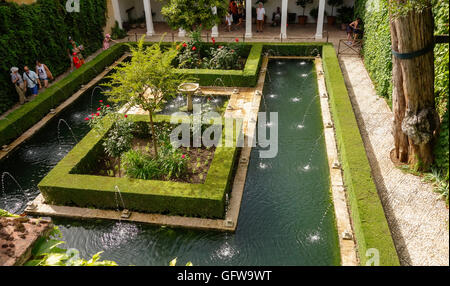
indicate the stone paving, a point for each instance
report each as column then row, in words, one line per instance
column 418, row 217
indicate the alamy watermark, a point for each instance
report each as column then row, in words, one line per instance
column 209, row 129
column 73, row 6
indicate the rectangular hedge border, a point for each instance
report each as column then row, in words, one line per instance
column 63, row 186
column 369, row 221
column 29, row 114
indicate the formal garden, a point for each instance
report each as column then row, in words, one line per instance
column 211, row 152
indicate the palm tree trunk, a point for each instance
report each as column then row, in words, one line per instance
column 415, row 116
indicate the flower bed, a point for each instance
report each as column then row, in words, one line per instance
column 68, row 184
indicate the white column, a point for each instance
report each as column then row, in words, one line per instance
column 181, row 32
column 248, row 18
column 116, row 10
column 284, row 6
column 215, row 29
column 149, row 18
column 319, row 31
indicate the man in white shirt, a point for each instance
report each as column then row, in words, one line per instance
column 260, row 13
column 31, row 80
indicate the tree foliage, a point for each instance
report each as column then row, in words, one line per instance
column 146, row 80
column 190, row 14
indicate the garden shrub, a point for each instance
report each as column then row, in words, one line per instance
column 40, row 31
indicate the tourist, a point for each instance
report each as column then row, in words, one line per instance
column 32, row 81
column 76, row 61
column 106, row 41
column 74, row 47
column 234, row 11
column 229, row 21
column 17, row 80
column 276, row 18
column 353, row 30
column 240, row 16
column 44, row 73
column 260, row 13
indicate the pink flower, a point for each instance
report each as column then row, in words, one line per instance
column 184, row 156
column 97, row 114
column 100, row 101
column 220, row 47
column 232, row 51
column 87, row 119
column 194, row 48
column 98, row 109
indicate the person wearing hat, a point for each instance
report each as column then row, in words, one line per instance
column 17, row 80
column 74, row 47
column 106, row 41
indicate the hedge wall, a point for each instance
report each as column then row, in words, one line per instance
column 378, row 61
column 40, row 31
column 27, row 115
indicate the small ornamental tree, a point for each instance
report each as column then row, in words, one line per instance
column 146, row 81
column 192, row 14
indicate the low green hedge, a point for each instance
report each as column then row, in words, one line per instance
column 369, row 221
column 239, row 78
column 293, row 49
column 29, row 114
column 64, row 185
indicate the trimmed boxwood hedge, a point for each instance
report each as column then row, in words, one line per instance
column 65, row 186
column 370, row 225
column 18, row 121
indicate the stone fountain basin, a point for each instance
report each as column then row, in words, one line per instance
column 189, row 87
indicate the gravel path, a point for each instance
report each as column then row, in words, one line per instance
column 418, row 217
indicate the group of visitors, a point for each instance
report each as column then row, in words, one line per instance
column 236, row 16
column 30, row 81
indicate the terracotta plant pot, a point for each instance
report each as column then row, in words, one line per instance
column 331, row 20
column 302, row 20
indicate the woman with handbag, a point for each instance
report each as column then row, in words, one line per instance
column 17, row 80
column 44, row 73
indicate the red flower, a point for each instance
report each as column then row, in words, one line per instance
column 184, row 45
column 92, row 114
column 100, row 101
column 194, row 48
column 220, row 47
column 213, row 40
column 184, row 156
column 237, row 40
column 108, row 105
column 97, row 114
column 126, row 116
column 87, row 119
column 232, row 51
column 98, row 109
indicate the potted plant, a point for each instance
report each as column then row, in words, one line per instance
column 302, row 18
column 314, row 12
column 345, row 16
column 331, row 20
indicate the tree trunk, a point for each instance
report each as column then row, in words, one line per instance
column 154, row 137
column 415, row 116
